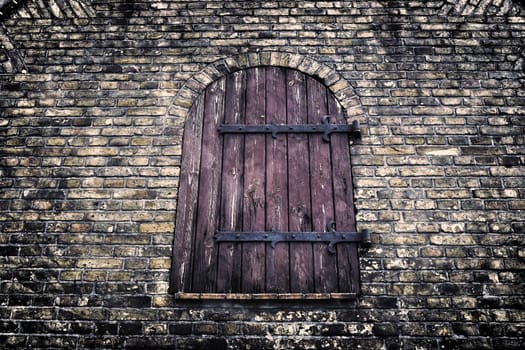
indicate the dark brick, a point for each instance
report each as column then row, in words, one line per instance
column 471, row 344
column 507, row 343
column 35, row 227
column 13, row 341
column 8, row 327
column 195, row 343
column 58, row 341
column 386, row 329
column 151, row 342
column 20, row 300
column 180, row 329
column 112, row 68
column 34, row 327
column 205, row 328
column 106, row 328
column 44, row 300
column 11, row 86
column 69, row 288
column 44, row 194
column 83, row 328
column 386, row 302
column 449, row 289
column 81, row 313
column 333, row 330
column 130, row 328
column 510, row 161
column 514, row 329
column 8, row 250
column 98, row 342
column 139, row 301
column 255, row 329
column 421, row 343
column 82, row 121
column 491, row 330
column 217, row 344
column 465, row 329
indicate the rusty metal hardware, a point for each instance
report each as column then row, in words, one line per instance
column 325, row 128
column 332, row 237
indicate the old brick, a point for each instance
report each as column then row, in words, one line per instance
column 156, row 227
column 130, row 328
column 132, row 314
column 135, row 194
column 420, row 171
column 100, row 263
column 456, row 240
column 495, row 193
column 91, row 155
column 437, row 151
column 458, row 194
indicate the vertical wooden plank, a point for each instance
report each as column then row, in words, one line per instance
column 300, row 214
column 253, row 261
column 182, row 262
column 325, row 264
column 348, row 263
column 277, row 260
column 229, row 261
column 205, row 268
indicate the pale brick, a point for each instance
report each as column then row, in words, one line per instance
column 156, row 227
column 458, row 193
column 99, row 263
column 395, row 150
column 453, row 240
column 420, row 171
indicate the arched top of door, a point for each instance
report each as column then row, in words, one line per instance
column 335, row 82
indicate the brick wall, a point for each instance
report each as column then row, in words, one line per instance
column 92, row 105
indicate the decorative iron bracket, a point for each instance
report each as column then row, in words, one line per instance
column 331, row 237
column 326, row 128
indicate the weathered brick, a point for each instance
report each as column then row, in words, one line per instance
column 156, row 227
column 456, row 240
column 91, row 157
column 99, row 263
column 458, row 194
column 437, row 151
column 420, row 171
column 495, row 193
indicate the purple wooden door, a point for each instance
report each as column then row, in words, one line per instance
column 255, row 182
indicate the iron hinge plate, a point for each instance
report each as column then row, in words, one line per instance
column 273, row 237
column 326, row 128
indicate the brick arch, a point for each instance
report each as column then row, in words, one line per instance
column 338, row 85
column 480, row 7
column 38, row 9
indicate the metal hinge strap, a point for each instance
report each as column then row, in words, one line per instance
column 331, row 238
column 325, row 128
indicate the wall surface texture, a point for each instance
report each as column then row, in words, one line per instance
column 93, row 98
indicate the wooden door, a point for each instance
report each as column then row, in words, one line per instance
column 257, row 182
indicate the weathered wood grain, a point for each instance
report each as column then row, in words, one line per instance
column 205, row 253
column 300, row 211
column 253, row 258
column 348, row 269
column 182, row 263
column 277, row 260
column 229, row 261
column 325, row 265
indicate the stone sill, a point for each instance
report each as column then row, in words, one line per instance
column 265, row 296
